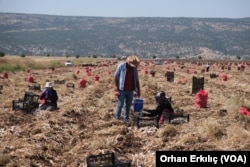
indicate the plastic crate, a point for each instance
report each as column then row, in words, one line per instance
column 170, row 76
column 213, row 75
column 70, row 85
column 105, row 160
column 31, row 98
column 173, row 118
column 59, row 82
column 17, row 105
column 145, row 121
column 198, row 84
column 34, row 87
column 24, row 106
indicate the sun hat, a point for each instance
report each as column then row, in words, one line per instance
column 133, row 61
column 48, row 85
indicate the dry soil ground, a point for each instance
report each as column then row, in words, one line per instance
column 85, row 122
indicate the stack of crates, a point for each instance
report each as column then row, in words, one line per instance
column 105, row 160
column 29, row 103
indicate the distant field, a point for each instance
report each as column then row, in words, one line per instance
column 15, row 63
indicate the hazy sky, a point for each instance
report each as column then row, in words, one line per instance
column 131, row 8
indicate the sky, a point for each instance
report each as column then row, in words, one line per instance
column 131, row 8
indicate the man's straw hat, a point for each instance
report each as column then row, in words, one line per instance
column 133, row 61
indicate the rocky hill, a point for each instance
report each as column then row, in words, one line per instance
column 31, row 34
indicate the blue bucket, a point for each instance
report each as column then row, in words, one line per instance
column 138, row 105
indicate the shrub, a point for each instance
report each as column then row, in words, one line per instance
column 2, row 54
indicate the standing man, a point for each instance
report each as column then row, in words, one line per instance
column 126, row 82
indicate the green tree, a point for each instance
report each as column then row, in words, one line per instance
column 23, row 55
column 48, row 55
column 154, row 56
column 2, row 54
column 77, row 56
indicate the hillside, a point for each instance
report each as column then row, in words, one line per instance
column 85, row 36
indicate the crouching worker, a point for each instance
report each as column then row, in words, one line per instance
column 163, row 107
column 48, row 98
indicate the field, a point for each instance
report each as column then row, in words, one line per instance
column 85, row 124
